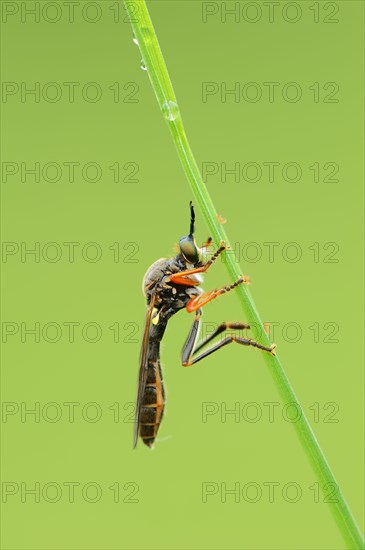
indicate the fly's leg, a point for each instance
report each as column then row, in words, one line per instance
column 190, row 348
column 225, row 342
column 221, row 328
column 208, row 242
column 179, row 278
column 189, row 345
column 201, row 300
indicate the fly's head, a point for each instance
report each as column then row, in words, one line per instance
column 189, row 251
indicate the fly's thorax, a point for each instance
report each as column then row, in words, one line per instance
column 154, row 274
column 177, row 264
column 181, row 295
column 170, row 297
column 162, row 268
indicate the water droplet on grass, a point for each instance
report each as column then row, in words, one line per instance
column 135, row 39
column 143, row 66
column 170, row 110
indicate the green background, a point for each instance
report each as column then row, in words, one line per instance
column 146, row 218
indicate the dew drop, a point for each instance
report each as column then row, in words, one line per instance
column 170, row 110
column 135, row 39
column 143, row 66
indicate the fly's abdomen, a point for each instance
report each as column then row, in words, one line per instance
column 153, row 403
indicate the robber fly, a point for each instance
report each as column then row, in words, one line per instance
column 169, row 286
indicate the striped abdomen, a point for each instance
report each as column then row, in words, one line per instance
column 153, row 403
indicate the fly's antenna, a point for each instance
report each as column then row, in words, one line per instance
column 192, row 218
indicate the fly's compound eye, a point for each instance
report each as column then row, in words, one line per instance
column 189, row 250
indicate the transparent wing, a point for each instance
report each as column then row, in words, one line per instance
column 143, row 368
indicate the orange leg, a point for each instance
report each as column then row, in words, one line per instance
column 203, row 299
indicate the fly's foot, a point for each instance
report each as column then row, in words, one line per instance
column 253, row 343
column 272, row 349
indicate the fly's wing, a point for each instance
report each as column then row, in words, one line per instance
column 143, row 368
